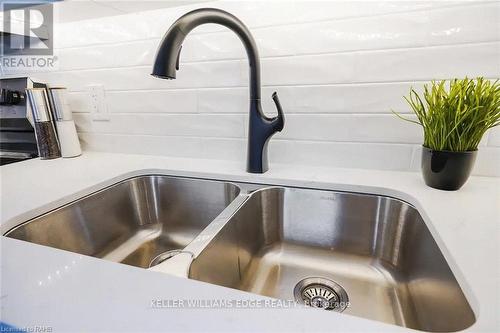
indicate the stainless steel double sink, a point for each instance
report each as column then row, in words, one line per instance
column 366, row 255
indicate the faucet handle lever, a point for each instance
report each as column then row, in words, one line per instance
column 279, row 121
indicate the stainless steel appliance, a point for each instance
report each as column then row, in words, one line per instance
column 17, row 136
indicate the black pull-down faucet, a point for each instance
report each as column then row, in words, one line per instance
column 261, row 128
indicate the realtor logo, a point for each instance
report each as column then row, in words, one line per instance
column 27, row 28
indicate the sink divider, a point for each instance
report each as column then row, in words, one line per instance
column 180, row 264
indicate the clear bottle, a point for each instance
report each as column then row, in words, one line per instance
column 46, row 138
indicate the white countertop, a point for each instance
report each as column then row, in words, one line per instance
column 45, row 287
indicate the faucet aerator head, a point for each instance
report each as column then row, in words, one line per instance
column 161, row 76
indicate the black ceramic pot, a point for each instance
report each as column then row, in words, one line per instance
column 447, row 170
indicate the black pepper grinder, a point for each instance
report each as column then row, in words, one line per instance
column 48, row 146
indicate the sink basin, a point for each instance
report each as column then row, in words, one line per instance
column 373, row 253
column 133, row 221
column 365, row 255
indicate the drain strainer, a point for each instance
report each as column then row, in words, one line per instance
column 163, row 256
column 321, row 293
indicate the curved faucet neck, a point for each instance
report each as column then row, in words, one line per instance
column 193, row 19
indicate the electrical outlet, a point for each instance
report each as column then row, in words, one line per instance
column 98, row 107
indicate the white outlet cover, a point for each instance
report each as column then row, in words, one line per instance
column 97, row 102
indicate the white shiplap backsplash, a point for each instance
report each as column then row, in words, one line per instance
column 338, row 67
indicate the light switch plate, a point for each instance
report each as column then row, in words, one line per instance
column 97, row 100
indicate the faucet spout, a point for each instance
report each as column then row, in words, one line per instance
column 166, row 63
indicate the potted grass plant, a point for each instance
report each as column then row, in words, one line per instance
column 454, row 117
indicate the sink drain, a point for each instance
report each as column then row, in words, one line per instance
column 321, row 293
column 163, row 256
